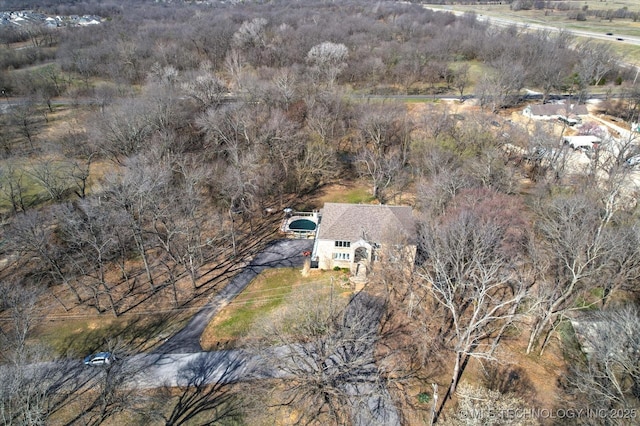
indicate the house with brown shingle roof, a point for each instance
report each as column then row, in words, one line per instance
column 356, row 235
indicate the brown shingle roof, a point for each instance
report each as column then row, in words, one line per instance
column 376, row 223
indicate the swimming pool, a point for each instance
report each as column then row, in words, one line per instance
column 302, row 225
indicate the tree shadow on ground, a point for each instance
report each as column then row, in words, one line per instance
column 508, row 379
column 133, row 333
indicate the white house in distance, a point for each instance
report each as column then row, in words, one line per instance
column 582, row 142
column 569, row 113
column 355, row 235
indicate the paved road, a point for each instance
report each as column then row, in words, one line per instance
column 504, row 22
column 344, row 359
column 282, row 253
column 181, row 361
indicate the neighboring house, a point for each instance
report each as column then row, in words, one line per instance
column 569, row 113
column 356, row 235
column 583, row 142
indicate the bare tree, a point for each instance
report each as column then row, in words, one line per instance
column 19, row 301
column 609, row 377
column 53, row 176
column 108, row 391
column 206, row 392
column 206, row 89
column 31, row 236
column 187, row 232
column 32, row 390
column 384, row 143
column 478, row 406
column 135, row 193
column 14, row 187
column 25, row 119
column 596, row 60
column 461, row 79
column 87, row 231
column 327, row 360
column 123, row 129
column 474, row 271
column 577, row 253
column 328, row 59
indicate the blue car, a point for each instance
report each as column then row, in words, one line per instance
column 101, row 358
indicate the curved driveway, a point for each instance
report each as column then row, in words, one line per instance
column 279, row 254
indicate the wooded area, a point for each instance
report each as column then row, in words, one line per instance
column 140, row 160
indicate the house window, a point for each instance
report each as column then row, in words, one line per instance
column 345, row 244
column 341, row 256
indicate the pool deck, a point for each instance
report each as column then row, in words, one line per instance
column 311, row 216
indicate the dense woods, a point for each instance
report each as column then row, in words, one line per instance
column 140, row 159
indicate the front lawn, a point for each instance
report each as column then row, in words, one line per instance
column 268, row 292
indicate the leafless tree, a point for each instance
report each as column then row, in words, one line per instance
column 478, row 406
column 206, row 392
column 14, row 187
column 596, row 60
column 135, row 192
column 53, row 175
column 384, row 144
column 187, row 232
column 32, row 390
column 206, row 89
column 546, row 156
column 328, row 59
column 25, row 119
column 124, row 129
column 88, row 232
column 31, row 237
column 108, row 391
column 461, row 79
column 316, row 166
column 19, row 301
column 549, row 61
column 474, row 271
column 578, row 253
column 327, row 360
column 609, row 377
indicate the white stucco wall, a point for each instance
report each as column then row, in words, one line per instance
column 325, row 251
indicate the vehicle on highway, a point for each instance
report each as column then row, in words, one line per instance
column 100, row 358
column 609, row 33
column 620, row 39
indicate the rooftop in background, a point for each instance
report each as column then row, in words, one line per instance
column 21, row 18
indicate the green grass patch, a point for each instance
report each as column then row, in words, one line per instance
column 354, row 195
column 266, row 293
column 421, row 100
column 81, row 336
column 18, row 174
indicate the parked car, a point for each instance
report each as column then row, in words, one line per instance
column 100, row 358
column 632, row 161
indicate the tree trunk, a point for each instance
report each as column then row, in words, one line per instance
column 456, row 373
